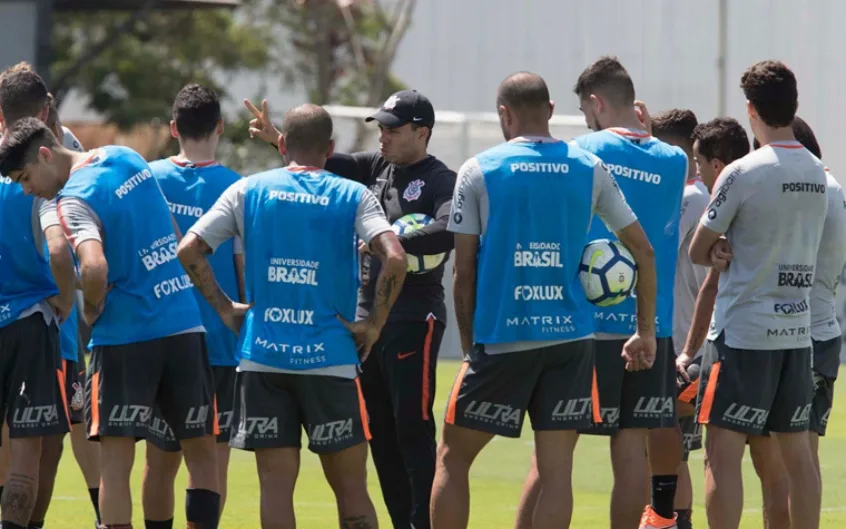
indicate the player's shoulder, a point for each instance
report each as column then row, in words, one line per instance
column 163, row 168
column 695, row 188
column 70, row 141
column 594, row 140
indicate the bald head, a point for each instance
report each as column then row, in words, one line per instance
column 307, row 129
column 523, row 92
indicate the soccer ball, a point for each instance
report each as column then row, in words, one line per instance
column 418, row 264
column 607, row 272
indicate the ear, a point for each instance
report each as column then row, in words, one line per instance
column 219, row 129
column 331, row 150
column 45, row 153
column 504, row 114
column 718, row 166
column 173, row 132
column 597, row 102
column 551, row 108
column 283, row 148
column 44, row 114
column 750, row 110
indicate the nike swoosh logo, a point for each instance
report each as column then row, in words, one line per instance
column 416, row 119
column 402, row 356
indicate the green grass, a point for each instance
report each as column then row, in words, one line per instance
column 495, row 484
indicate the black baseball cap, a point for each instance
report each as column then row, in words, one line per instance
column 406, row 106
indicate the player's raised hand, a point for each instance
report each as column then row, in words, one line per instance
column 639, row 352
column 261, row 126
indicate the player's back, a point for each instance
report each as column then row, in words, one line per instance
column 536, row 205
column 301, row 256
column 191, row 190
column 652, row 176
column 776, row 200
column 150, row 296
column 831, row 257
column 25, row 277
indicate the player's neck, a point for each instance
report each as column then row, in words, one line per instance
column 624, row 119
column 768, row 135
column 72, row 160
column 536, row 131
column 197, row 151
column 305, row 161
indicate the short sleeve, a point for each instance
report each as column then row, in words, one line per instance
column 225, row 219
column 465, row 215
column 79, row 222
column 609, row 202
column 370, row 219
column 47, row 213
column 238, row 245
column 693, row 204
column 725, row 200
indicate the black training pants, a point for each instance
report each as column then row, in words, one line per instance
column 398, row 382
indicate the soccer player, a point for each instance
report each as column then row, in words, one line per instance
column 191, row 182
column 398, row 378
column 35, row 297
column 26, row 90
column 526, row 327
column 300, row 226
column 652, row 176
column 675, row 127
column 147, row 336
column 771, row 206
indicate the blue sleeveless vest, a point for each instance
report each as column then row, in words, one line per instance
column 191, row 190
column 528, row 265
column 651, row 175
column 302, row 263
column 151, row 295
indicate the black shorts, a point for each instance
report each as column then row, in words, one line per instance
column 272, row 408
column 753, row 391
column 32, row 395
column 128, row 382
column 556, row 384
column 636, row 399
column 74, row 376
column 161, row 434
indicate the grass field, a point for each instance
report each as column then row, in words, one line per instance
column 496, row 481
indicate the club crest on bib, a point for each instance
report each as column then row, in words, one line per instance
column 413, row 191
column 390, row 103
column 77, row 399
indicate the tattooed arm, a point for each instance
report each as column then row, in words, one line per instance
column 387, row 247
column 464, row 286
column 192, row 252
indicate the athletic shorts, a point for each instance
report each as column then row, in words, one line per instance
column 691, row 430
column 636, row 399
column 823, row 387
column 271, row 409
column 161, row 434
column 753, row 391
column 32, row 388
column 555, row 384
column 128, row 382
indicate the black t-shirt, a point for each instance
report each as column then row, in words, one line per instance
column 424, row 187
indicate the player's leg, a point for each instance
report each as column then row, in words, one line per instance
column 36, row 408
column 409, row 362
column 736, row 391
column 788, row 422
column 5, row 454
column 393, row 479
column 529, row 495
column 120, row 395
column 51, row 454
column 823, row 398
column 766, row 458
column 489, row 397
column 163, row 457
column 224, row 384
column 566, row 399
column 335, row 419
column 267, row 420
column 86, row 453
column 187, row 402
column 692, row 440
column 663, row 443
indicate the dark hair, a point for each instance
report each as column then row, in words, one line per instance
column 677, row 124
column 21, row 142
column 805, row 135
column 22, row 93
column 771, row 88
column 609, row 78
column 722, row 138
column 52, row 114
column 523, row 91
column 196, row 111
column 307, row 129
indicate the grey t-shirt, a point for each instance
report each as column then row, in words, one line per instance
column 226, row 219
column 689, row 277
column 472, row 207
column 831, row 258
column 771, row 205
